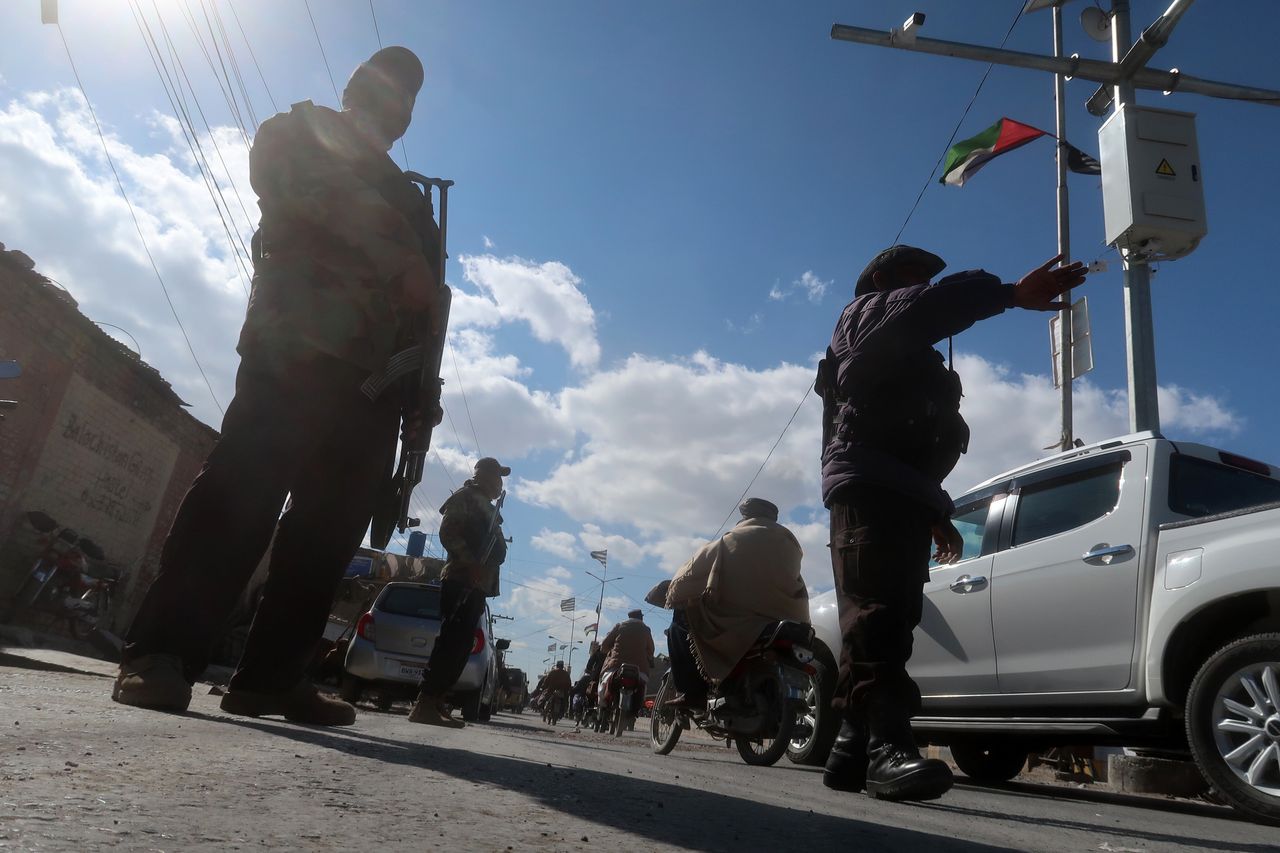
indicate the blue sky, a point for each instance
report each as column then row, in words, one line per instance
column 633, row 182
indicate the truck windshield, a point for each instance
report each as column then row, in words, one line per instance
column 1198, row 487
column 420, row 601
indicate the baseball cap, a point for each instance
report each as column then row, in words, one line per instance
column 488, row 463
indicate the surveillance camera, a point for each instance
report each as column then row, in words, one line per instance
column 906, row 34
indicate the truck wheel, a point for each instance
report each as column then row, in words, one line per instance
column 1233, row 724
column 819, row 723
column 469, row 705
column 988, row 763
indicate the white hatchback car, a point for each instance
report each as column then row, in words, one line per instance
column 393, row 641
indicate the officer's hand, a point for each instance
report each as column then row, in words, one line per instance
column 949, row 542
column 413, row 423
column 1039, row 289
column 418, row 287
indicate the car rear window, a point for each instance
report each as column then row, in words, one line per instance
column 420, row 601
column 1198, row 487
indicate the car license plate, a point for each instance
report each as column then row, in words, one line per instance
column 407, row 671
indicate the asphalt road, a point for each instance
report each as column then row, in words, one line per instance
column 78, row 772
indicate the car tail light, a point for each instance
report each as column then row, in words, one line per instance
column 364, row 628
column 478, row 645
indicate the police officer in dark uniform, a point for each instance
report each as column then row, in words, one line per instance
column 892, row 431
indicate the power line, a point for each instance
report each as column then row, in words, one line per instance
column 929, row 180
column 807, row 389
column 465, row 404
column 253, row 55
column 173, row 91
column 320, row 44
column 136, row 224
column 403, row 151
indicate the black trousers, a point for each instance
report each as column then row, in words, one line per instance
column 684, row 667
column 300, row 429
column 461, row 606
column 880, row 546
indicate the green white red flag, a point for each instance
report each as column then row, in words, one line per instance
column 968, row 156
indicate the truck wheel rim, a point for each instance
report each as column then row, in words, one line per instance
column 1246, row 726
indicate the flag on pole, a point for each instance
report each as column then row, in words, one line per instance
column 568, row 605
column 551, row 648
column 590, row 629
column 1080, row 162
column 966, row 157
column 601, row 557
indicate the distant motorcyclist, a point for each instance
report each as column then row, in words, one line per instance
column 556, row 684
column 727, row 594
column 630, row 643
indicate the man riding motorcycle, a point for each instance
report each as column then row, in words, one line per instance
column 630, row 643
column 556, row 684
column 727, row 594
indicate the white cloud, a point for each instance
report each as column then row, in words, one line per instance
column 488, row 244
column 546, row 295
column 813, row 288
column 556, row 543
column 749, row 326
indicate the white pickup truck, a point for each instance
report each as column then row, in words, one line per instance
column 1125, row 593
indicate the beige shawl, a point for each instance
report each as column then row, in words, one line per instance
column 734, row 587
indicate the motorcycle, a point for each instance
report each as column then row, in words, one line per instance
column 623, row 693
column 760, row 707
column 68, row 579
column 553, row 707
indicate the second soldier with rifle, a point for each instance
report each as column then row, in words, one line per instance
column 471, row 534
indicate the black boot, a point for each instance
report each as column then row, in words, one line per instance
column 846, row 768
column 898, row 772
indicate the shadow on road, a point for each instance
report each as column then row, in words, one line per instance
column 671, row 814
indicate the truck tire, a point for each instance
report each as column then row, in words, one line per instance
column 1233, row 724
column 468, row 704
column 987, row 762
column 823, row 721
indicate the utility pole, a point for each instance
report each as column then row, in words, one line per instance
column 1066, row 357
column 1126, row 73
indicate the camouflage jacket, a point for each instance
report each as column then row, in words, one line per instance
column 465, row 531
column 337, row 232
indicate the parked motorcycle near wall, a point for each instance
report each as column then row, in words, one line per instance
column 69, row 579
column 758, row 706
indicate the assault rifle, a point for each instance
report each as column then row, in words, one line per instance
column 417, row 370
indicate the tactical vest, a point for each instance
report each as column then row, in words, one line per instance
column 909, row 408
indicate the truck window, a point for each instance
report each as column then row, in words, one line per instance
column 1054, row 506
column 971, row 521
column 1198, row 487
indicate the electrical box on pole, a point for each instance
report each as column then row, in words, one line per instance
column 1152, row 192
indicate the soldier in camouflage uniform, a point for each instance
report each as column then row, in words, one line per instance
column 338, row 270
column 471, row 533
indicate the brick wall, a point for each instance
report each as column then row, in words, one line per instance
column 99, row 439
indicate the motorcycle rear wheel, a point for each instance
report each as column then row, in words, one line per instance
column 765, row 753
column 664, row 725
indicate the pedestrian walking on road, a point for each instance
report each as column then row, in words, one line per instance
column 338, row 266
column 471, row 534
column 892, row 431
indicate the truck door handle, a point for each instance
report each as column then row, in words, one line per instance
column 1104, row 554
column 967, row 583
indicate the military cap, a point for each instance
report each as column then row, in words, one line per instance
column 758, row 508
column 635, row 614
column 893, row 257
column 488, row 463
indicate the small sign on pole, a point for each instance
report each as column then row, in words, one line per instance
column 1081, row 342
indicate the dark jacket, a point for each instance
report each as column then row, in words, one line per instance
column 878, row 337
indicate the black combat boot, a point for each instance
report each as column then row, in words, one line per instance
column 846, row 768
column 898, row 772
